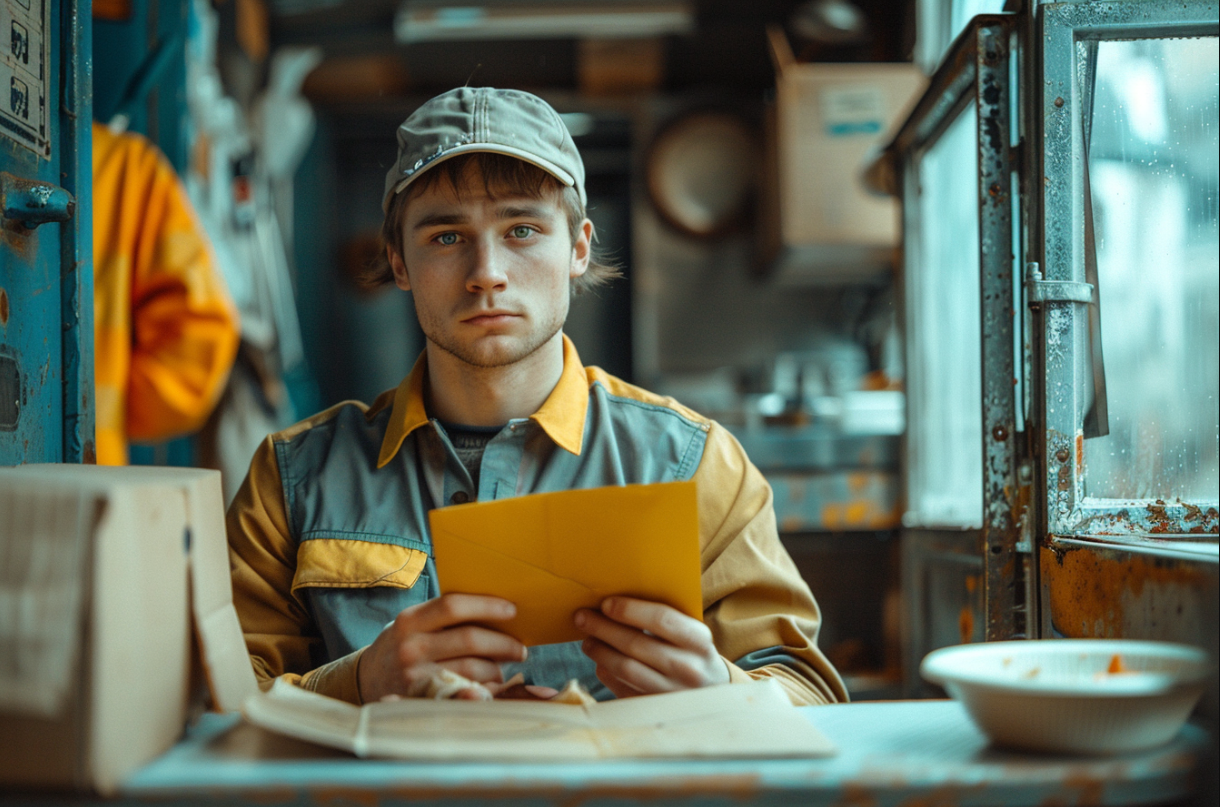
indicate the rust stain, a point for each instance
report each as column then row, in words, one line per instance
column 1019, row 499
column 3, row 307
column 275, row 794
column 737, row 787
column 1079, row 453
column 1106, row 524
column 743, row 787
column 1009, row 569
column 1089, row 789
column 856, row 795
column 859, row 514
column 1089, row 590
column 972, row 583
column 1161, row 521
column 1207, row 520
column 90, row 453
column 965, row 624
column 944, row 796
column 346, row 795
column 1064, row 481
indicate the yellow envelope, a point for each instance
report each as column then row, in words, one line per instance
column 552, row 553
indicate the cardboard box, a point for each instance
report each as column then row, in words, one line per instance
column 102, row 569
column 828, row 120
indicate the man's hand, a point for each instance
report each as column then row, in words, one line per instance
column 643, row 647
column 439, row 633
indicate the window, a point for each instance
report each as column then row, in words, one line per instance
column 1128, row 144
column 945, row 457
column 1153, row 170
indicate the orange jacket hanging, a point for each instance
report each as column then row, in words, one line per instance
column 165, row 329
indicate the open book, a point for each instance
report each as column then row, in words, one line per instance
column 728, row 721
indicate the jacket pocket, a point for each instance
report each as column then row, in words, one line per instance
column 347, row 563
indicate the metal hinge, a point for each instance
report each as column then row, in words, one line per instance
column 1038, row 291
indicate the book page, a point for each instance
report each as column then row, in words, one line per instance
column 753, row 720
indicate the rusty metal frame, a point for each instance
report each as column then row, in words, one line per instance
column 977, row 70
column 1061, row 325
column 1005, row 498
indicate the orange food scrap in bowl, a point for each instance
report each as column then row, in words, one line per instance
column 1116, row 665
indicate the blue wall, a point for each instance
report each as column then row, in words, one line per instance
column 118, row 50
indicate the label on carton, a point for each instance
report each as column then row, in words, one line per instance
column 853, row 109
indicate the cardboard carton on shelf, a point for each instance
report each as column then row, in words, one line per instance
column 818, row 220
column 105, row 573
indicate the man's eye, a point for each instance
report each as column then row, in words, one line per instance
column 447, row 239
column 522, row 231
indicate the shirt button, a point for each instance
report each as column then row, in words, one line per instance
column 460, row 497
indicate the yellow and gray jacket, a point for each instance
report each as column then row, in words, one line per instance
column 329, row 533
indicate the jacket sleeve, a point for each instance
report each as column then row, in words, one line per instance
column 280, row 635
column 184, row 326
column 762, row 615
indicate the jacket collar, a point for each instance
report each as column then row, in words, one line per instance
column 561, row 416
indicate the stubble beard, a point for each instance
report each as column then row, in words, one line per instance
column 489, row 357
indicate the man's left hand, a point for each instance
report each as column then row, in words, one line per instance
column 643, row 647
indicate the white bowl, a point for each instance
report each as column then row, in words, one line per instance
column 1061, row 695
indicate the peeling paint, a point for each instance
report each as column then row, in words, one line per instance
column 1059, row 320
column 1157, row 518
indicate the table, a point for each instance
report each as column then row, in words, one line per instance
column 890, row 753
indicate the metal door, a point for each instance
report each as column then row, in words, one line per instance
column 46, row 285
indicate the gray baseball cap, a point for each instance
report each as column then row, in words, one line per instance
column 471, row 119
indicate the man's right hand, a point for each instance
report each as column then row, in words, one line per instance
column 439, row 633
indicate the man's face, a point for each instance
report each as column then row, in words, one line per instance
column 490, row 277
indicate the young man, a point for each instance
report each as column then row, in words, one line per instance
column 333, row 575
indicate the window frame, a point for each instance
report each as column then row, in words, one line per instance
column 1060, row 295
column 977, row 68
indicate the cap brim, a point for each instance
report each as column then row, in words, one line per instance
column 490, row 148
